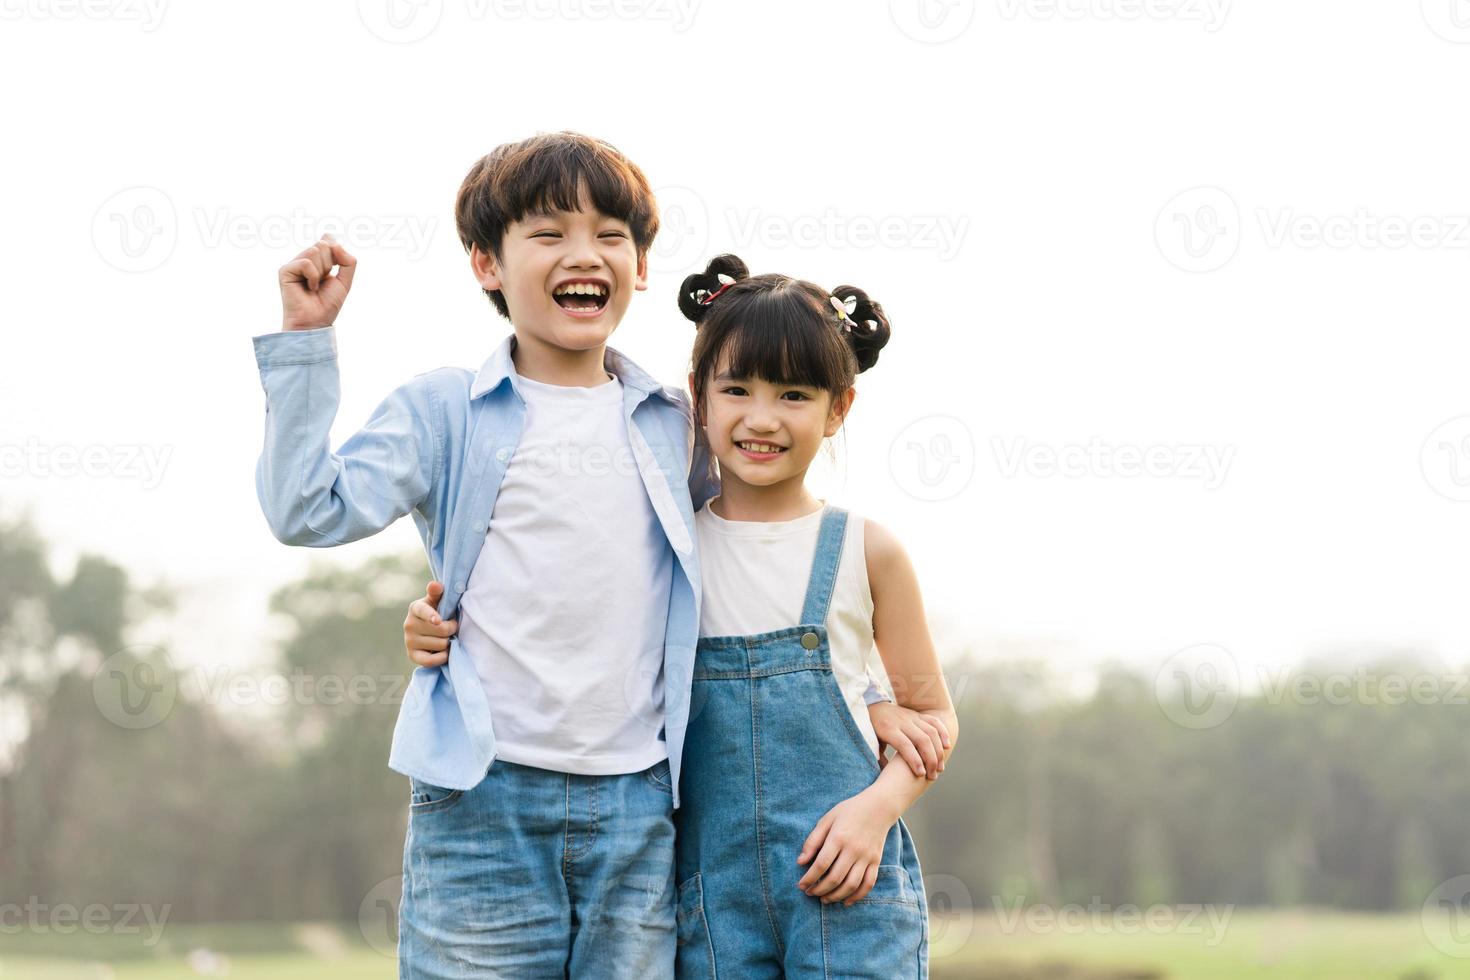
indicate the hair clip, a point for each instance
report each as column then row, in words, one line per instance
column 843, row 309
column 846, row 309
column 705, row 297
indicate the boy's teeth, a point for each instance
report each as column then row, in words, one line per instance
column 580, row 289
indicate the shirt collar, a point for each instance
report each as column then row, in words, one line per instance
column 498, row 369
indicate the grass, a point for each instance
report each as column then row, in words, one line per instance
column 1264, row 944
column 1269, row 945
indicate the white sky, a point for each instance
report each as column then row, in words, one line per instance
column 1026, row 175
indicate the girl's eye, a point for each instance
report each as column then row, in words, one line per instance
column 795, row 395
column 733, row 390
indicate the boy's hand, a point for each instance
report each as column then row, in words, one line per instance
column 311, row 296
column 425, row 636
column 848, row 847
column 919, row 739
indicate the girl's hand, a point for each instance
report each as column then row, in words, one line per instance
column 425, row 636
column 311, row 296
column 920, row 739
column 845, row 850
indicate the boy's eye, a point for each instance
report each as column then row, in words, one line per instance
column 614, row 234
column 546, row 234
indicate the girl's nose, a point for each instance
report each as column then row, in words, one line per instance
column 761, row 422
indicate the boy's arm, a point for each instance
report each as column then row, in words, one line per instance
column 704, row 481
column 318, row 498
column 310, row 495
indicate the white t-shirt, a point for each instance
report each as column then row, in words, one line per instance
column 754, row 576
column 565, row 612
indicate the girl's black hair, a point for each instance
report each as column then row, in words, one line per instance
column 779, row 329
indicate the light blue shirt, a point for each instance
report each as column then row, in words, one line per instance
column 437, row 447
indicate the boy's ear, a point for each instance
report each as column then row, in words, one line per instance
column 486, row 267
column 641, row 282
column 841, row 405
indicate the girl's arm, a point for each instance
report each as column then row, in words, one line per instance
column 846, row 846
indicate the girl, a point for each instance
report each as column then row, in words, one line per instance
column 792, row 857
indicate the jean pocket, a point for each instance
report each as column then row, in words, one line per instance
column 891, row 887
column 658, row 775
column 427, row 798
column 881, row 937
column 696, row 957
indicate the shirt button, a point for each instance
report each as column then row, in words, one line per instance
column 479, row 527
column 459, row 586
column 810, row 640
column 501, row 455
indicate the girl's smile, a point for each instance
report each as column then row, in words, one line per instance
column 759, row 451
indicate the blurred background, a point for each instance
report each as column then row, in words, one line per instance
column 1174, row 424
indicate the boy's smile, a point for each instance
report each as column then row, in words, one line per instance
column 582, row 297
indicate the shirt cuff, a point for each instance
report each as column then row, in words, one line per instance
column 295, row 346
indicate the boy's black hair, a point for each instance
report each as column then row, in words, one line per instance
column 779, row 329
column 550, row 172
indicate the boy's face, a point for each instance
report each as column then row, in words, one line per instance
column 566, row 276
column 764, row 433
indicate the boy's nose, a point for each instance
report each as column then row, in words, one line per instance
column 583, row 255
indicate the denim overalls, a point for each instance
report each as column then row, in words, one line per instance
column 772, row 747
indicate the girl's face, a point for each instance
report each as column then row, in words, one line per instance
column 763, row 433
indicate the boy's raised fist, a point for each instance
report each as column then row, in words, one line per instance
column 311, row 294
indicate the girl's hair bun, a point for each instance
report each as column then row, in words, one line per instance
column 870, row 328
column 702, row 284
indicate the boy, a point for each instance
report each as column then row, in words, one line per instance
column 553, row 493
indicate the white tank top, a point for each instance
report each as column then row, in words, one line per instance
column 754, row 580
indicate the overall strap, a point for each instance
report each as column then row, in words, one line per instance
column 824, row 566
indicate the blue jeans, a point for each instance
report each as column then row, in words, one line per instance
column 539, row 874
column 771, row 747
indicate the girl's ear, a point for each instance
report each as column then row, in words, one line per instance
column 841, row 405
column 486, row 267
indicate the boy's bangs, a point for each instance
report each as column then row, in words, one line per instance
column 547, row 182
